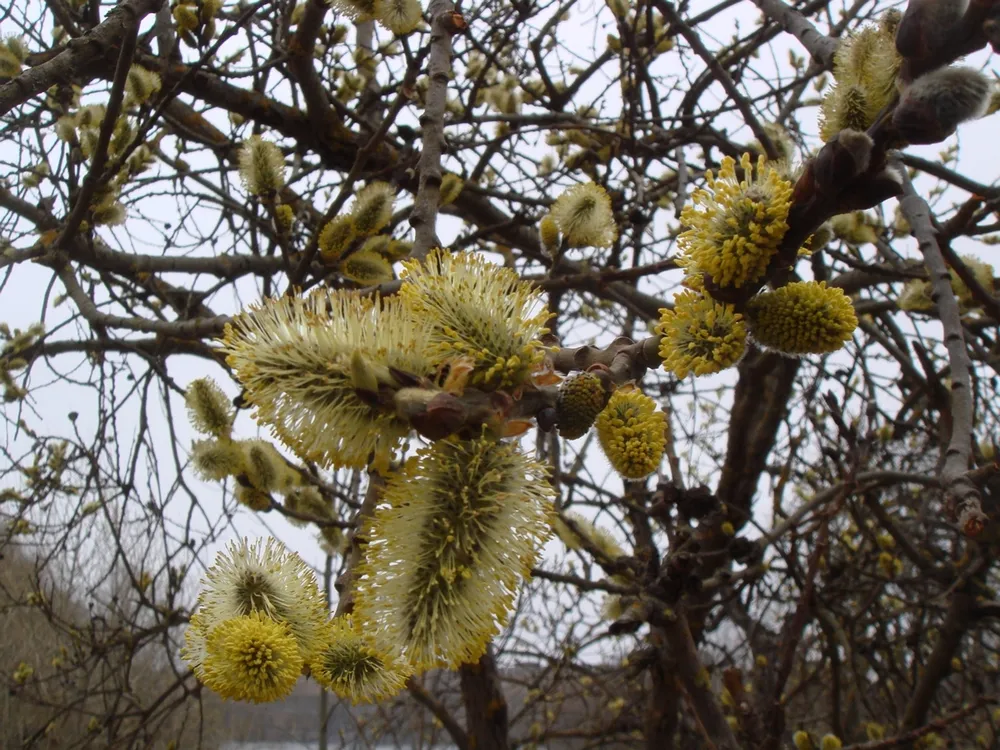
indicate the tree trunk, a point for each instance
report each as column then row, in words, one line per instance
column 485, row 705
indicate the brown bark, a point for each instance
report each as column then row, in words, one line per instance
column 485, row 705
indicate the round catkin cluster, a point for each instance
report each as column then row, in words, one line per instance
column 700, row 335
column 584, row 216
column 260, row 617
column 736, row 225
column 632, row 433
column 804, row 317
column 252, row 658
column 582, row 396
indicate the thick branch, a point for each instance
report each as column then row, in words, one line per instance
column 696, row 682
column 300, row 62
column 960, row 616
column 662, row 711
column 197, row 328
column 627, row 359
column 80, row 57
column 956, row 462
column 485, row 705
column 423, row 217
column 820, row 46
column 759, row 405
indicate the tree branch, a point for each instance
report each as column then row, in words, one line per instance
column 696, row 682
column 440, row 713
column 423, row 217
column 485, row 705
column 820, row 46
column 80, row 57
column 721, row 75
column 963, row 491
column 95, row 176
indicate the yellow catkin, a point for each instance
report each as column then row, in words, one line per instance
column 582, row 396
column 632, row 433
column 293, row 356
column 480, row 311
column 460, row 525
column 209, row 409
column 700, row 335
column 584, row 215
column 251, row 658
column 366, row 267
column 372, row 208
column 736, row 225
column 262, row 166
column 355, row 666
column 804, row 317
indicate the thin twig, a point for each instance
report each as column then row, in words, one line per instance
column 440, row 712
column 937, row 725
column 721, row 75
